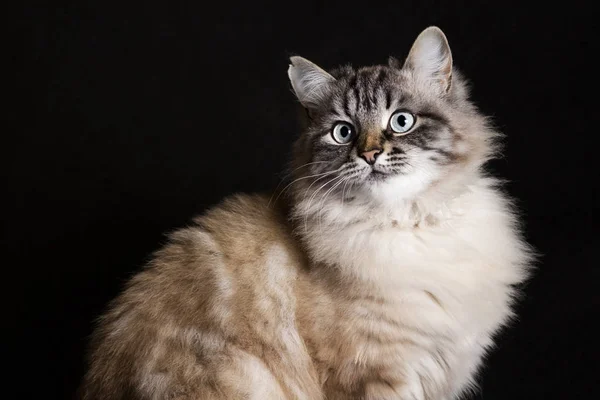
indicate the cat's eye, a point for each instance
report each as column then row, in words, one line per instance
column 401, row 122
column 343, row 132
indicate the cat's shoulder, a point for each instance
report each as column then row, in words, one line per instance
column 243, row 213
column 241, row 226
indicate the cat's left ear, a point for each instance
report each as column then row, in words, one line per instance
column 430, row 59
column 310, row 82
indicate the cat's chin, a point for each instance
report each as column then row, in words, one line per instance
column 392, row 188
column 377, row 176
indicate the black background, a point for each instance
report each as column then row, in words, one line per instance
column 129, row 119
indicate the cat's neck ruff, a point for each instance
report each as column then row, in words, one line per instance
column 402, row 204
column 388, row 241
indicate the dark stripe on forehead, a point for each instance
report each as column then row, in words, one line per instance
column 346, row 101
column 373, row 89
column 381, row 76
column 373, row 97
column 346, row 104
column 357, row 98
column 388, row 98
column 362, row 86
column 352, row 81
column 379, row 88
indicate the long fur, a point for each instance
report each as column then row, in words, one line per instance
column 384, row 281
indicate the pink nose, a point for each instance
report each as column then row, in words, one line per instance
column 371, row 156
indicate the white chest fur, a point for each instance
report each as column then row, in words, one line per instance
column 446, row 276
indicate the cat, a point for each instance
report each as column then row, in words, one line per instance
column 383, row 270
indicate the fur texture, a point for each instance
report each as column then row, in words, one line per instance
column 383, row 273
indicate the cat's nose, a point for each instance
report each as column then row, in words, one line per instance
column 371, row 156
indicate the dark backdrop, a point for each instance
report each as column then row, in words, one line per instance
column 130, row 119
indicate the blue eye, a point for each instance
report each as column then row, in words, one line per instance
column 343, row 133
column 401, row 122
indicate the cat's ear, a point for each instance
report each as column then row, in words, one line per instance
column 310, row 82
column 430, row 59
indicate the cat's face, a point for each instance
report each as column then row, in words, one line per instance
column 384, row 132
column 376, row 134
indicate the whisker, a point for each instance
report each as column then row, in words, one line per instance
column 310, row 200
column 320, row 209
column 347, row 177
column 397, row 164
column 342, row 170
column 305, row 165
column 344, row 191
column 291, row 172
column 299, row 179
column 316, row 180
column 321, row 187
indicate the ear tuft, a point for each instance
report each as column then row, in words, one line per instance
column 393, row 62
column 311, row 83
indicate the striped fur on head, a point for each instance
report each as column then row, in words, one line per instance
column 449, row 138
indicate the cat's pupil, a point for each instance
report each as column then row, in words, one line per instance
column 401, row 120
column 345, row 131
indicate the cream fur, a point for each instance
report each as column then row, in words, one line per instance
column 349, row 288
column 463, row 251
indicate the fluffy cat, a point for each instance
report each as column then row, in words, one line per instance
column 382, row 272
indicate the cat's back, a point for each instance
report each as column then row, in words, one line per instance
column 209, row 316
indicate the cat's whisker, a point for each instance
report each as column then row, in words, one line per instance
column 297, row 168
column 322, row 175
column 322, row 202
column 344, row 179
column 342, row 170
column 320, row 187
column 316, row 180
column 310, row 200
column 344, row 191
column 314, row 194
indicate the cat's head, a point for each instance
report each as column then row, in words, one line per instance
column 387, row 133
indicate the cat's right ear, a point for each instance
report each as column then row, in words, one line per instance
column 311, row 83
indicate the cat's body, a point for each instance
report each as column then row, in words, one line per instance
column 369, row 285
